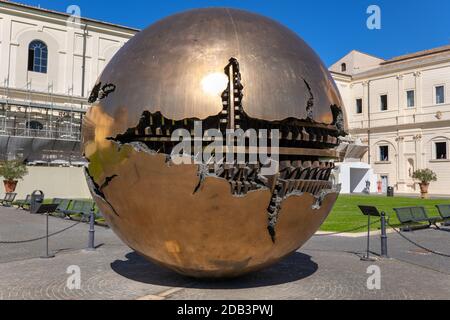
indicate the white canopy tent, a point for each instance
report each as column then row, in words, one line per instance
column 353, row 175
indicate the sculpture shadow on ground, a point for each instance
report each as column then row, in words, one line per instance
column 295, row 267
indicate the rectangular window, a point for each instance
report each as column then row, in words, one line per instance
column 384, row 102
column 359, row 106
column 441, row 150
column 440, row 95
column 411, row 97
column 384, row 153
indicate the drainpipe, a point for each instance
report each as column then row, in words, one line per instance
column 83, row 74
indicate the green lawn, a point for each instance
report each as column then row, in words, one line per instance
column 346, row 214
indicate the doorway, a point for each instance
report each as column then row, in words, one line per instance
column 384, row 184
column 358, row 179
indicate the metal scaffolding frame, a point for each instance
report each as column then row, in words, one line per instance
column 40, row 132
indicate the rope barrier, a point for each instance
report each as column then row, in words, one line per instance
column 419, row 245
column 396, row 230
column 346, row 231
column 41, row 238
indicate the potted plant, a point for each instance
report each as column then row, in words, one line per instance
column 425, row 176
column 12, row 171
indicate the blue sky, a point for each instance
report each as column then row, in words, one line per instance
column 331, row 27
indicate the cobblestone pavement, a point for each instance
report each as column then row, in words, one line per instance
column 20, row 225
column 326, row 268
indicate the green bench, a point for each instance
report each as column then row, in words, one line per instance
column 80, row 207
column 8, row 199
column 63, row 205
column 21, row 204
column 77, row 210
column 444, row 211
column 412, row 218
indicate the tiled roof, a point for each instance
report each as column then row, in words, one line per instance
column 418, row 54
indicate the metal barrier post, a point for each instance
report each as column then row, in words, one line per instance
column 91, row 244
column 384, row 244
column 367, row 257
column 47, row 256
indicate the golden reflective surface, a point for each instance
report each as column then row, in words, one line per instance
column 164, row 67
column 207, row 234
column 163, row 211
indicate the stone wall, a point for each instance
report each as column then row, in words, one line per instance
column 54, row 182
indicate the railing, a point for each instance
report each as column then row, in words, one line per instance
column 37, row 133
column 47, row 126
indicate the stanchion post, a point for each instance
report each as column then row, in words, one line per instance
column 367, row 256
column 47, row 254
column 384, row 244
column 368, row 211
column 91, row 244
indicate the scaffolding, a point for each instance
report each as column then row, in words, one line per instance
column 40, row 131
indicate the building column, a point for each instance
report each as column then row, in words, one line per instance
column 366, row 121
column 420, row 154
column 5, row 66
column 419, row 94
column 4, row 47
column 401, row 99
column 401, row 164
column 366, row 102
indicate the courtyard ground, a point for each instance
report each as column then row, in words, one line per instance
column 328, row 267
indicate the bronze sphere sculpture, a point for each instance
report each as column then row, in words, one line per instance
column 227, row 70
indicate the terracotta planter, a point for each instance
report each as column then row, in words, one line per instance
column 424, row 190
column 10, row 185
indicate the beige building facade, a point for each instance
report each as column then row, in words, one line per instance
column 77, row 51
column 49, row 62
column 400, row 108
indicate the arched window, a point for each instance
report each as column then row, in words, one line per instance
column 37, row 56
column 344, row 67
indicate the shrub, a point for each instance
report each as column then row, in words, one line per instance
column 13, row 170
column 425, row 176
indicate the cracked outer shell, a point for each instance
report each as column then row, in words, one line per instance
column 206, row 234
column 153, row 209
